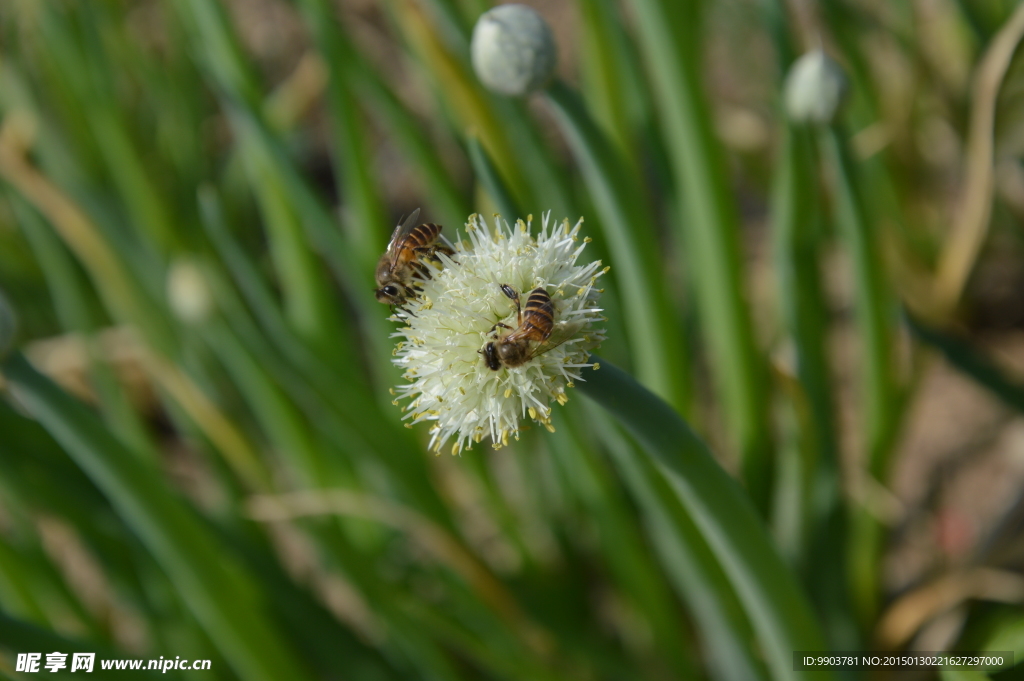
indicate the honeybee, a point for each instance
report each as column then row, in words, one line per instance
column 536, row 321
column 400, row 263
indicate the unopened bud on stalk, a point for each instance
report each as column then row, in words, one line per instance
column 513, row 50
column 8, row 326
column 188, row 291
column 815, row 88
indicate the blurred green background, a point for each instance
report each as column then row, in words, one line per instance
column 199, row 455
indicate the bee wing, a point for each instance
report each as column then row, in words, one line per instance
column 562, row 332
column 401, row 230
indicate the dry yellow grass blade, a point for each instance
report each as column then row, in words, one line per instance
column 910, row 612
column 968, row 233
column 70, row 222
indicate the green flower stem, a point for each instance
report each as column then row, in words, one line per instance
column 819, row 551
column 874, row 308
column 880, row 403
column 723, row 515
column 657, row 349
column 491, row 180
column 222, row 595
column 669, row 35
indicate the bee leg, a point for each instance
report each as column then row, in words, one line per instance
column 513, row 295
column 504, row 326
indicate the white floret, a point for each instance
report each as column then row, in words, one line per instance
column 448, row 325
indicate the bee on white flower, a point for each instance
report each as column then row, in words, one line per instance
column 465, row 307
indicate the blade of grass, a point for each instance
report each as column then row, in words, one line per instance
column 724, row 517
column 122, row 297
column 482, row 651
column 308, row 304
column 449, row 201
column 20, row 636
column 31, row 588
column 970, row 228
column 1009, row 636
column 338, row 402
column 307, row 297
column 321, row 233
column 443, row 547
column 146, row 206
column 353, row 161
column 77, row 313
column 603, row 79
column 638, row 575
column 462, row 93
column 974, row 364
column 39, row 479
column 216, row 588
column 724, row 631
column 670, row 37
column 257, row 294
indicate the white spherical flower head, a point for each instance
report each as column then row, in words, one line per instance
column 815, row 88
column 512, row 50
column 448, row 327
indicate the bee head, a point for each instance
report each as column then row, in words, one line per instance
column 490, row 353
column 389, row 294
